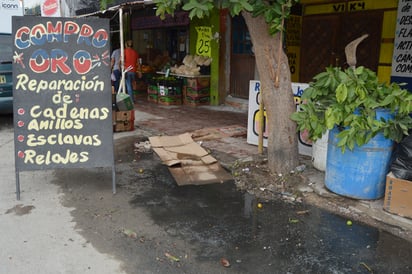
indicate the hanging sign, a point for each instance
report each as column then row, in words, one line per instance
column 402, row 53
column 204, row 37
column 50, row 8
column 62, row 93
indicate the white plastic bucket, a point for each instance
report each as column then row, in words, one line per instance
column 320, row 151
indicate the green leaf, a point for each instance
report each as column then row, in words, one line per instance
column 342, row 137
column 341, row 92
column 329, row 119
column 359, row 70
column 388, row 100
column 360, row 91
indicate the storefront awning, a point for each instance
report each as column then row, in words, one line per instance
column 131, row 4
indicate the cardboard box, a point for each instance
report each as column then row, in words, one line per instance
column 197, row 83
column 125, row 115
column 188, row 162
column 398, row 196
column 196, row 101
column 170, row 100
column 197, row 92
column 124, row 126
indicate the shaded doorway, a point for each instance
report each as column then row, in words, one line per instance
column 324, row 38
column 242, row 59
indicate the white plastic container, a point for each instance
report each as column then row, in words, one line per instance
column 320, row 151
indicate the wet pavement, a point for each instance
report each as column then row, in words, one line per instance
column 273, row 239
column 217, row 221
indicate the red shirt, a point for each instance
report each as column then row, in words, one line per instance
column 130, row 58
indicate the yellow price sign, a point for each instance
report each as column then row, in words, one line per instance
column 204, row 37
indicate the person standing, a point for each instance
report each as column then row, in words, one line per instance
column 131, row 58
column 115, row 62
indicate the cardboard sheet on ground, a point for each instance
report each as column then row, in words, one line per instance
column 188, row 162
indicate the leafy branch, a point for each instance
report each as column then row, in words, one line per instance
column 349, row 100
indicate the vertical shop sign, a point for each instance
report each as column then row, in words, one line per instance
column 304, row 144
column 62, row 94
column 204, row 37
column 402, row 52
column 293, row 40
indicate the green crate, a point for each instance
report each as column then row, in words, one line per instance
column 152, row 98
column 170, row 100
column 152, row 89
column 197, row 101
column 197, row 92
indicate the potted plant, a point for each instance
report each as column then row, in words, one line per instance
column 364, row 118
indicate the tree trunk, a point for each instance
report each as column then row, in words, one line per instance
column 277, row 95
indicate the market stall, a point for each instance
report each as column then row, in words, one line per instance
column 188, row 83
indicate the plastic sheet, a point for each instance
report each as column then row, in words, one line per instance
column 401, row 165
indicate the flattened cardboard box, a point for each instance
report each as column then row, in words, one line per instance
column 398, row 196
column 188, row 162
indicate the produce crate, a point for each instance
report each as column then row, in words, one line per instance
column 124, row 115
column 197, row 101
column 170, row 90
column 198, row 83
column 152, row 89
column 170, row 86
column 124, row 126
column 170, row 100
column 152, row 97
column 197, row 92
column 123, row 121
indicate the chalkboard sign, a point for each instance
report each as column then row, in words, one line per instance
column 62, row 93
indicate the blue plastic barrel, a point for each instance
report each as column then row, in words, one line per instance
column 360, row 173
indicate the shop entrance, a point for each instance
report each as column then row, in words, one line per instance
column 324, row 38
column 242, row 60
column 160, row 47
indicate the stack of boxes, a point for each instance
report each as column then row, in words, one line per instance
column 152, row 92
column 194, row 91
column 170, row 92
column 123, row 120
column 197, row 91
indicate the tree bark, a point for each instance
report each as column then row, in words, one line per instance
column 276, row 87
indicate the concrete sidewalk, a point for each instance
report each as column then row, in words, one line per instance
column 37, row 232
